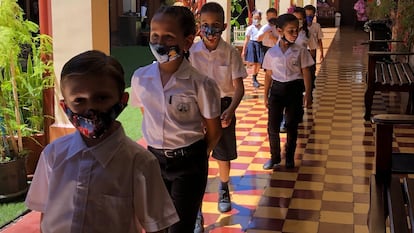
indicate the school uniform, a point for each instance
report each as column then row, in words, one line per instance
column 114, row 186
column 285, row 94
column 254, row 52
column 315, row 33
column 302, row 39
column 223, row 64
column 173, row 129
column 267, row 41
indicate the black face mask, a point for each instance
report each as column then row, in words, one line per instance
column 289, row 43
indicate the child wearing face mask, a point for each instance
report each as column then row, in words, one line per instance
column 222, row 62
column 181, row 112
column 287, row 76
column 315, row 38
column 97, row 174
column 268, row 34
column 252, row 48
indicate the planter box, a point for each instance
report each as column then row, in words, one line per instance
column 13, row 181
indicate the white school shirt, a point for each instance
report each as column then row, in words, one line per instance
column 267, row 40
column 302, row 39
column 173, row 114
column 287, row 66
column 224, row 64
column 253, row 32
column 115, row 186
column 315, row 33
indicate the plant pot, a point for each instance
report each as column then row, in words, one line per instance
column 34, row 145
column 13, row 181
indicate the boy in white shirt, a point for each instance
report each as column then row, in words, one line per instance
column 315, row 38
column 97, row 179
column 220, row 61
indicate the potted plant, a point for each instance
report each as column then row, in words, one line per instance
column 24, row 74
column 405, row 24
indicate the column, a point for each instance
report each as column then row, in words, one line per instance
column 78, row 26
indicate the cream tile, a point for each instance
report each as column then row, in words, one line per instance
column 251, row 200
column 307, row 204
column 342, row 165
column 285, row 176
column 278, row 192
column 337, row 217
column 361, row 229
column 340, row 142
column 270, row 212
column 360, row 188
column 361, row 208
column 340, row 152
column 312, row 170
column 295, row 226
column 307, row 185
column 338, row 179
column 338, row 196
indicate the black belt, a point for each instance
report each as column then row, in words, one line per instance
column 179, row 152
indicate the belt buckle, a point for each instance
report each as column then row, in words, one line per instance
column 169, row 154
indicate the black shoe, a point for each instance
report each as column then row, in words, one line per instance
column 270, row 164
column 290, row 164
column 224, row 203
column 199, row 225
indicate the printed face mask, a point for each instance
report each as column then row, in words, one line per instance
column 165, row 53
column 94, row 124
column 207, row 31
column 309, row 19
column 256, row 22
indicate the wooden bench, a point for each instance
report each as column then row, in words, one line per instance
column 388, row 76
column 391, row 197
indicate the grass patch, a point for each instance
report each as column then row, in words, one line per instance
column 131, row 58
column 11, row 210
column 131, row 119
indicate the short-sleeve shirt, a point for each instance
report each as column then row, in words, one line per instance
column 174, row 114
column 115, row 186
column 302, row 39
column 253, row 32
column 315, row 34
column 268, row 30
column 224, row 64
column 287, row 66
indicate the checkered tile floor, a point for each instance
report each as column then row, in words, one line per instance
column 328, row 190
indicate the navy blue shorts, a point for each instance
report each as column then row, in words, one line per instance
column 254, row 52
column 226, row 149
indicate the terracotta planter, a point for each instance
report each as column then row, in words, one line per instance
column 34, row 145
column 13, row 181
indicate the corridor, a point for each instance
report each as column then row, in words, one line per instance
column 328, row 190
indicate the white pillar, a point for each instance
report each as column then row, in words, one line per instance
column 263, row 5
column 226, row 4
column 283, row 6
column 77, row 26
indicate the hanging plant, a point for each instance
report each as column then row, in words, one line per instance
column 405, row 24
column 380, row 9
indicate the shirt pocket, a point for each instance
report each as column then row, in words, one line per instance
column 223, row 77
column 116, row 212
column 294, row 66
column 182, row 108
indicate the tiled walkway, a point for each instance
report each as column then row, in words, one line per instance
column 328, row 190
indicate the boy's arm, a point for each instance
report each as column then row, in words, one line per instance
column 213, row 133
column 307, row 78
column 321, row 49
column 267, row 83
column 228, row 114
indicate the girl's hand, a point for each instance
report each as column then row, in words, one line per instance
column 266, row 102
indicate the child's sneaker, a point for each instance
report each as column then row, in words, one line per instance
column 224, row 202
